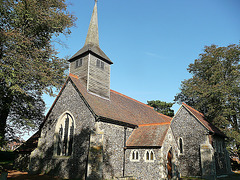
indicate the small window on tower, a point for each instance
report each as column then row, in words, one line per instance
column 78, row 63
column 100, row 64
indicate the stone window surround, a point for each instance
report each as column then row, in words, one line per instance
column 181, row 153
column 134, row 153
column 149, row 159
column 58, row 124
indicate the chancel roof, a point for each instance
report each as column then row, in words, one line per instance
column 120, row 108
column 203, row 120
column 150, row 135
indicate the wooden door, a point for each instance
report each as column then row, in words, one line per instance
column 169, row 164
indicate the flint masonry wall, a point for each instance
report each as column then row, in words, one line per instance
column 113, row 149
column 143, row 169
column 193, row 134
column 43, row 159
column 169, row 144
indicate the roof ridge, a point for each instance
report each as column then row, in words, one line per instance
column 73, row 75
column 192, row 108
column 130, row 98
column 154, row 124
column 164, row 115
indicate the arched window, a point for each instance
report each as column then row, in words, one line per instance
column 149, row 155
column 181, row 145
column 64, row 135
column 134, row 155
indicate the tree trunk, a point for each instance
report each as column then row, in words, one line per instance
column 4, row 112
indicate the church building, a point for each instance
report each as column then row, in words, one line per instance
column 93, row 132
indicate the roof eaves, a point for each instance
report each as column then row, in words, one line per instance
column 112, row 121
column 82, row 97
column 59, row 94
column 143, row 147
column 187, row 108
column 154, row 124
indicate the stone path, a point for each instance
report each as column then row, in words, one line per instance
column 17, row 175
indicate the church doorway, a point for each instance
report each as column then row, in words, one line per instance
column 169, row 163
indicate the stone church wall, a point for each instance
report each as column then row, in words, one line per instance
column 185, row 126
column 169, row 144
column 113, row 149
column 143, row 169
column 43, row 159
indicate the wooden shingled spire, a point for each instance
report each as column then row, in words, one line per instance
column 92, row 35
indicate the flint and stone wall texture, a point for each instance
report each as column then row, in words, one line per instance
column 113, row 149
column 185, row 126
column 43, row 159
column 143, row 169
column 156, row 169
column 169, row 144
column 203, row 155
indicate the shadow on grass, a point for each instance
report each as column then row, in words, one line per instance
column 233, row 176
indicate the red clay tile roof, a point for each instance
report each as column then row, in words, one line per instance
column 30, row 144
column 202, row 119
column 148, row 135
column 120, row 107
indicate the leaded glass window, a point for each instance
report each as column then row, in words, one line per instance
column 64, row 135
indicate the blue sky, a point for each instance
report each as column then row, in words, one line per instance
column 151, row 43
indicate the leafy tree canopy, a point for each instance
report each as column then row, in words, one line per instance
column 214, row 89
column 162, row 107
column 29, row 65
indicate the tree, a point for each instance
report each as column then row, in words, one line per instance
column 214, row 89
column 162, row 107
column 29, row 65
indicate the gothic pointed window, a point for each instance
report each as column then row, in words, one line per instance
column 149, row 156
column 59, row 139
column 64, row 135
column 134, row 155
